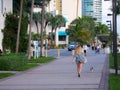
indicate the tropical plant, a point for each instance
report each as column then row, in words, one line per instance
column 103, row 33
column 48, row 16
column 81, row 30
column 56, row 22
column 37, row 19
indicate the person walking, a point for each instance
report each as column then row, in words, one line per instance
column 85, row 48
column 76, row 57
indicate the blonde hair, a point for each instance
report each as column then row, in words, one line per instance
column 78, row 50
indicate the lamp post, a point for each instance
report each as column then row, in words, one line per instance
column 115, row 36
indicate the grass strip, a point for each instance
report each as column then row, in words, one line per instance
column 112, row 61
column 114, row 82
column 42, row 60
column 3, row 75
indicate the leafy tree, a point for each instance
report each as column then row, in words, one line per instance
column 81, row 30
column 10, row 33
column 103, row 33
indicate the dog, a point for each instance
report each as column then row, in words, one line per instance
column 91, row 69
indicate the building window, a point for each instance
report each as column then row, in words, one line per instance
column 62, row 38
column 1, row 6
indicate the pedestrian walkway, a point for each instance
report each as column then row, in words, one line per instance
column 61, row 74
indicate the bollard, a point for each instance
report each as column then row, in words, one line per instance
column 58, row 52
column 46, row 53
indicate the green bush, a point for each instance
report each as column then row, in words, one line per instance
column 12, row 61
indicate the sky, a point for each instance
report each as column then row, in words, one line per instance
column 106, row 5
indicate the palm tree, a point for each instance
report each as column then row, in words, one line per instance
column 29, row 47
column 56, row 22
column 19, row 24
column 37, row 18
column 47, row 18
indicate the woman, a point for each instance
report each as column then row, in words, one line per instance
column 78, row 52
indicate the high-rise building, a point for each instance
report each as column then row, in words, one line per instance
column 87, row 8
column 92, row 8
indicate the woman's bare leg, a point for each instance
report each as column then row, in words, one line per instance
column 80, row 67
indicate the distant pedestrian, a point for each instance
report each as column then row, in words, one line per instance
column 93, row 47
column 98, row 49
column 78, row 52
column 85, row 48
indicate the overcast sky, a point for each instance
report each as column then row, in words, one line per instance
column 106, row 5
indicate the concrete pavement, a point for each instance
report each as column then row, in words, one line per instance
column 61, row 75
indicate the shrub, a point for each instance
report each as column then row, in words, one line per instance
column 12, row 61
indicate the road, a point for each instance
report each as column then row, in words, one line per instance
column 63, row 52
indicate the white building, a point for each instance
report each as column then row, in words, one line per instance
column 5, row 7
column 70, row 9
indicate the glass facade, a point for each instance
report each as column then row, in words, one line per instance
column 92, row 8
column 87, row 7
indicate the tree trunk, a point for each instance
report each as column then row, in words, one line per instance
column 29, row 45
column 37, row 27
column 19, row 25
column 42, row 27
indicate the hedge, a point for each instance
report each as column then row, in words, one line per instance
column 12, row 61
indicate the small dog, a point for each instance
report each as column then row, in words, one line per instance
column 91, row 69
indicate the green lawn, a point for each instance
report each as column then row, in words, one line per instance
column 3, row 75
column 114, row 80
column 31, row 64
column 112, row 61
column 42, row 60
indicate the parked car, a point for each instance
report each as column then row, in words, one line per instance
column 71, row 46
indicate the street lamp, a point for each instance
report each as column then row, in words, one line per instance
column 115, row 36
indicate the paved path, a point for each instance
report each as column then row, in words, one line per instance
column 60, row 75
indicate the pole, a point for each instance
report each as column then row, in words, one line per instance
column 42, row 27
column 115, row 37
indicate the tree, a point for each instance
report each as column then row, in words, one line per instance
column 37, row 19
column 81, row 30
column 10, row 33
column 29, row 46
column 48, row 16
column 56, row 22
column 103, row 33
column 19, row 25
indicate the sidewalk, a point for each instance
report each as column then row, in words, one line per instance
column 61, row 75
